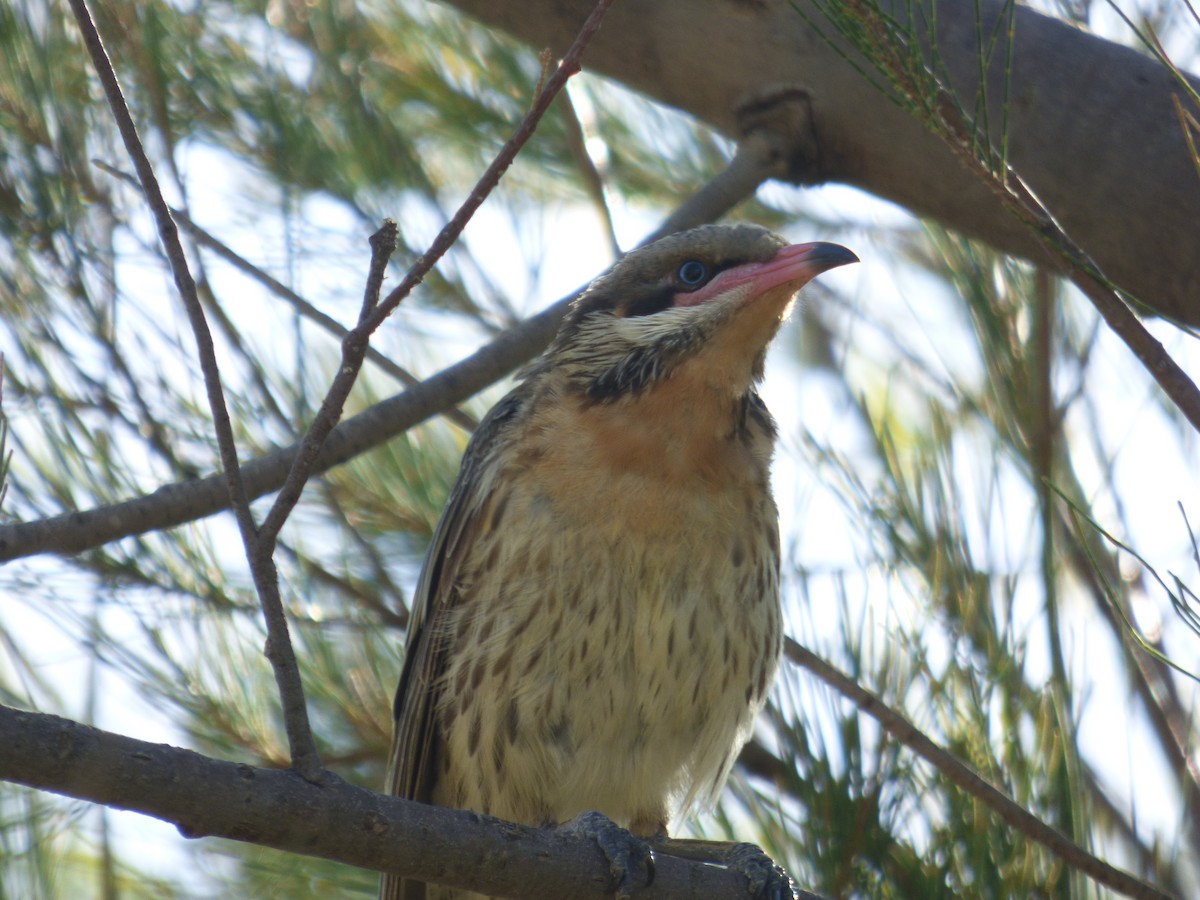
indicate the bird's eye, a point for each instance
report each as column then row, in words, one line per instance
column 692, row 273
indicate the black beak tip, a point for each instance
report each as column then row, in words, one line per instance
column 828, row 256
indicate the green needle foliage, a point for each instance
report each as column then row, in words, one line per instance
column 972, row 536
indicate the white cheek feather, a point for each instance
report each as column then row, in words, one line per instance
column 606, row 340
column 638, row 331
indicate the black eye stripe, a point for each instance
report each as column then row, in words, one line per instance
column 650, row 302
column 687, row 276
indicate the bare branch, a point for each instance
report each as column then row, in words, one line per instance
column 258, row 551
column 177, row 259
column 276, row 808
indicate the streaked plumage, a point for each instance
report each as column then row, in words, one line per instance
column 597, row 621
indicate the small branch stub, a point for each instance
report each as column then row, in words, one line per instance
column 779, row 120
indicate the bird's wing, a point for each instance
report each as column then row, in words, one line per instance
column 410, row 772
column 411, row 764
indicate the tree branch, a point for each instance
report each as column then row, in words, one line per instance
column 1082, row 143
column 205, row 797
column 259, row 546
column 187, row 501
column 1009, row 811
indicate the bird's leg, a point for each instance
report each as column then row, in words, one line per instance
column 630, row 859
column 767, row 881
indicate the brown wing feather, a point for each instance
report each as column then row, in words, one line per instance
column 411, row 763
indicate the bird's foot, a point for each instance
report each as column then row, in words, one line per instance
column 764, row 879
column 630, row 859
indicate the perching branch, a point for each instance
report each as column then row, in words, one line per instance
column 205, row 797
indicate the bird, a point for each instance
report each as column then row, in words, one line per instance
column 597, row 621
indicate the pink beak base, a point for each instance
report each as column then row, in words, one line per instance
column 795, row 264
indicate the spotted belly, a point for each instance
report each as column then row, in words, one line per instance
column 610, row 672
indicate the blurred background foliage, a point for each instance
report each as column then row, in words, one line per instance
column 952, row 422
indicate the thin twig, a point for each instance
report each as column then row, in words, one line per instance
column 176, row 258
column 449, row 234
column 1009, row 811
column 298, row 303
column 192, row 499
column 383, row 244
column 593, row 182
column 258, row 554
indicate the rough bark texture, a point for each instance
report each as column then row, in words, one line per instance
column 1091, row 125
column 277, row 808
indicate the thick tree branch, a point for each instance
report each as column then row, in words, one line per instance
column 276, row 808
column 1091, row 125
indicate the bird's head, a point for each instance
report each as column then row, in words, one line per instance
column 706, row 302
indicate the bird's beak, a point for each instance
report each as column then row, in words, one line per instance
column 794, row 265
column 799, row 264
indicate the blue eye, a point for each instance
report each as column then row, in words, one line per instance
column 692, row 273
